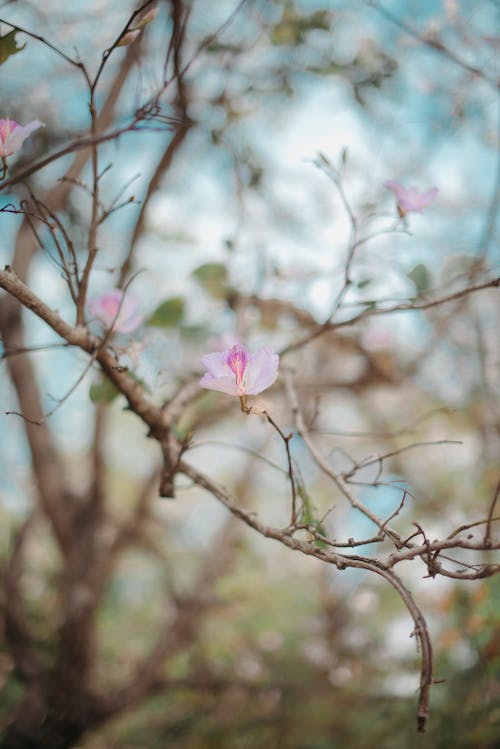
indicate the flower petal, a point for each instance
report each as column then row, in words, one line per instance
column 19, row 135
column 411, row 200
column 226, row 384
column 216, row 363
column 129, row 324
column 262, row 371
column 115, row 311
column 237, row 371
column 396, row 187
column 430, row 196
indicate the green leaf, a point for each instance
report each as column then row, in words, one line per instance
column 421, row 278
column 103, row 391
column 292, row 28
column 168, row 314
column 320, row 19
column 213, row 278
column 329, row 68
column 8, row 45
column 195, row 332
column 364, row 283
column 287, row 33
column 256, row 175
column 217, row 47
column 307, row 515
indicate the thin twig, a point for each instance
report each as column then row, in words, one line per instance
column 487, row 535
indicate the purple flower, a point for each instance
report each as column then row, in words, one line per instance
column 13, row 135
column 409, row 199
column 238, row 371
column 116, row 311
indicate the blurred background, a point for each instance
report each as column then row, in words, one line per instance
column 236, row 230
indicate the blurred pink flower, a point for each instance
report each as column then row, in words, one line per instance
column 409, row 199
column 115, row 310
column 13, row 135
column 238, row 371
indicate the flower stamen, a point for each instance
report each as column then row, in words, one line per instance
column 237, row 361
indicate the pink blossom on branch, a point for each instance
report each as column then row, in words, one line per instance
column 13, row 135
column 116, row 311
column 239, row 371
column 409, row 200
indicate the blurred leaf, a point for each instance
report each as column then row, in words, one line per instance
column 168, row 314
column 320, row 19
column 181, row 431
column 103, row 391
column 217, row 47
column 293, row 27
column 286, row 33
column 213, row 278
column 256, row 175
column 330, row 68
column 421, row 278
column 8, row 45
column 195, row 332
column 215, row 137
column 364, row 283
column 307, row 514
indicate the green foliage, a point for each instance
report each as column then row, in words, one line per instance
column 363, row 283
column 103, row 391
column 9, row 46
column 195, row 332
column 421, row 277
column 308, row 515
column 168, row 314
column 213, row 278
column 293, row 27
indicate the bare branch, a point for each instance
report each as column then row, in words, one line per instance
column 433, row 43
column 375, row 311
column 341, row 562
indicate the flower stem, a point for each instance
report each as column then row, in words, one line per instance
column 244, row 406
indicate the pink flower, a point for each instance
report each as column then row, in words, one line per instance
column 116, row 311
column 13, row 135
column 238, row 371
column 409, row 199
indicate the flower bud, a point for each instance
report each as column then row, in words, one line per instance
column 128, row 37
column 148, row 15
